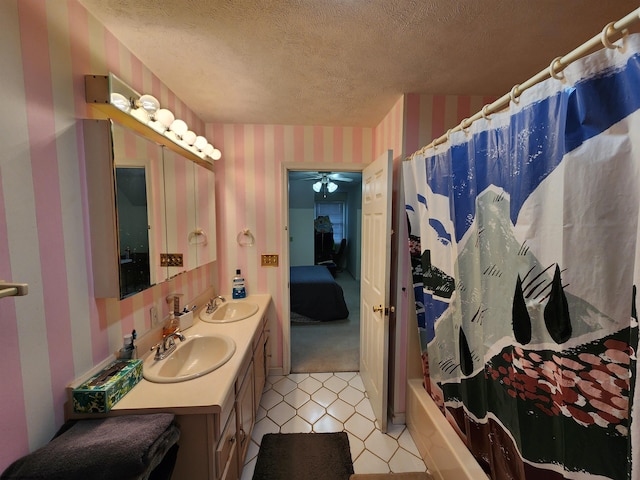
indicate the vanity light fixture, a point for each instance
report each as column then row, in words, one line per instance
column 119, row 101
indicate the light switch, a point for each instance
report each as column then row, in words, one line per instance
column 270, row 260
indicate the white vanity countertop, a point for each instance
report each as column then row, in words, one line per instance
column 205, row 394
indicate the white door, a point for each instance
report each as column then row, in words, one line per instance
column 374, row 283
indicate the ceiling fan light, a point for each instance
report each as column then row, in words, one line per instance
column 332, row 187
column 317, row 187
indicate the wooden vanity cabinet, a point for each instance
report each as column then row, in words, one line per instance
column 214, row 446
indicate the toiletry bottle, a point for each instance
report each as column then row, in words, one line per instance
column 239, row 290
column 171, row 326
column 128, row 350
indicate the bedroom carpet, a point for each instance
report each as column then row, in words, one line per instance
column 302, row 456
column 334, row 346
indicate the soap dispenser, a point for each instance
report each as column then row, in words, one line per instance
column 239, row 289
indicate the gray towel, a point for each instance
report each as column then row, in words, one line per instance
column 122, row 448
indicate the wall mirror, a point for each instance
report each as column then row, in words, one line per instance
column 138, row 194
column 152, row 211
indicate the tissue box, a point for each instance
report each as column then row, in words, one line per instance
column 102, row 391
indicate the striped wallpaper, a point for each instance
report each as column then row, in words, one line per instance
column 59, row 330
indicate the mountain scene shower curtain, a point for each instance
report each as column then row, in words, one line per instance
column 524, row 239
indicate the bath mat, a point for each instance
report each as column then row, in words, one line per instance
column 302, row 456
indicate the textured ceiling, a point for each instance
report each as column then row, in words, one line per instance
column 344, row 62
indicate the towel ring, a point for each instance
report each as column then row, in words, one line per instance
column 245, row 238
column 198, row 232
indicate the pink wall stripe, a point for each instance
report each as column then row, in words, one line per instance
column 80, row 65
column 318, row 144
column 298, row 144
column 412, row 123
column 261, row 200
column 338, row 144
column 240, row 207
column 41, row 127
column 14, row 439
column 438, row 116
column 357, row 154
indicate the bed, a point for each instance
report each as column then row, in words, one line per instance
column 316, row 295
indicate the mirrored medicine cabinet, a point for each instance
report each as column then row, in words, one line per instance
column 152, row 211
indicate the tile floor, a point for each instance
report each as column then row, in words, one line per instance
column 332, row 402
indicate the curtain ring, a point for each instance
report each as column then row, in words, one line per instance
column 449, row 135
column 485, row 112
column 553, row 72
column 514, row 94
column 609, row 29
column 464, row 125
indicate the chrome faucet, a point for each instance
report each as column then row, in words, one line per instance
column 213, row 303
column 167, row 345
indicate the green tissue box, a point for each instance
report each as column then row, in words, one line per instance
column 102, row 391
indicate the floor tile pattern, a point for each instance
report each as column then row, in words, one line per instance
column 332, row 402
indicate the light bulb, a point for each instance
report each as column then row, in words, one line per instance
column 208, row 149
column 149, row 103
column 120, row 101
column 179, row 127
column 165, row 117
column 189, row 137
column 200, row 142
column 332, row 187
column 317, row 187
column 216, row 154
column 140, row 115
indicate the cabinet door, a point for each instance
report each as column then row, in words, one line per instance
column 246, row 415
column 260, row 366
column 227, row 451
column 204, row 234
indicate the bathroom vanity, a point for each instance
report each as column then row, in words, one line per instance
column 216, row 412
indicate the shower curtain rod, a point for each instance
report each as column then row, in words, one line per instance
column 558, row 64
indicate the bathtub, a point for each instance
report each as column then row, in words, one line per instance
column 439, row 445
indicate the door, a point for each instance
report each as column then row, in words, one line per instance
column 374, row 283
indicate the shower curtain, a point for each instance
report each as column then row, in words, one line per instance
column 525, row 253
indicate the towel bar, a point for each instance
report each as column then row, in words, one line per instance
column 13, row 289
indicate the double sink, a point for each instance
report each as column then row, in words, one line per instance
column 200, row 354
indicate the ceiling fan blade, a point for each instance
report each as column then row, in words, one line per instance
column 340, row 178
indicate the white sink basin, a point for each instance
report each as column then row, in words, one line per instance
column 196, row 356
column 229, row 312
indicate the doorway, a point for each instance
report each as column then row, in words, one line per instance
column 335, row 197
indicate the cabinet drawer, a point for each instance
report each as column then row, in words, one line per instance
column 226, row 447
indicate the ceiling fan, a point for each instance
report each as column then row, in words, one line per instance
column 326, row 177
column 325, row 181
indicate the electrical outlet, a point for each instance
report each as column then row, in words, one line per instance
column 153, row 313
column 270, row 260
